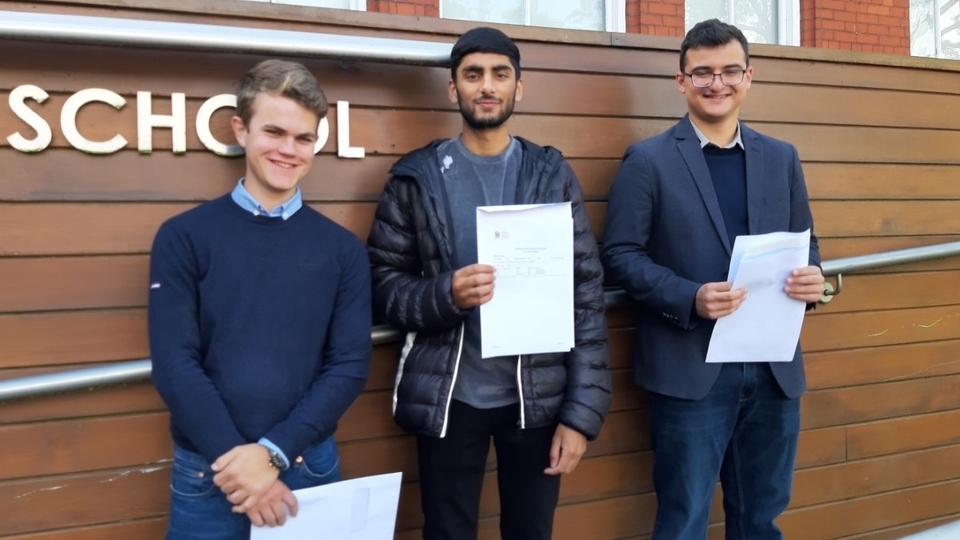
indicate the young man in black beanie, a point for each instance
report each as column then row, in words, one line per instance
column 539, row 409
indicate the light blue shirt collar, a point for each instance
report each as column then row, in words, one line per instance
column 737, row 141
column 245, row 200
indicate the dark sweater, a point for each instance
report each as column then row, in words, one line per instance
column 728, row 170
column 259, row 327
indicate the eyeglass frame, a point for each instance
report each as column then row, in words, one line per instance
column 713, row 77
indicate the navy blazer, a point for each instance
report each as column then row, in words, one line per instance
column 664, row 238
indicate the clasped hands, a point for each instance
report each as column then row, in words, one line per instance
column 253, row 486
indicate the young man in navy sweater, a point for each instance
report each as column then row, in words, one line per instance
column 259, row 317
column 679, row 201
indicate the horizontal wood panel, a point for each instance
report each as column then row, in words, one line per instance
column 878, row 512
column 850, row 405
column 817, row 447
column 850, row 69
column 903, row 434
column 607, row 518
column 70, row 446
column 626, row 394
column 369, row 457
column 900, row 532
column 881, row 364
column 836, row 248
column 52, row 228
column 620, row 341
column 867, row 144
column 884, row 218
column 85, row 499
column 162, row 176
column 44, row 284
column 144, row 529
column 623, row 431
column 877, row 328
column 852, row 181
column 873, row 476
column 110, row 400
column 67, row 338
column 370, row 416
column 896, row 291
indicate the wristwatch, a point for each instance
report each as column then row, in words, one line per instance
column 276, row 461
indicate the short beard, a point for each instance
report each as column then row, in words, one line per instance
column 486, row 123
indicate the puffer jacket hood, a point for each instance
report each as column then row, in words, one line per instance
column 412, row 264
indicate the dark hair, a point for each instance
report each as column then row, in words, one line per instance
column 280, row 78
column 711, row 34
column 483, row 40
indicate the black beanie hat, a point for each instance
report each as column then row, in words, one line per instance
column 484, row 40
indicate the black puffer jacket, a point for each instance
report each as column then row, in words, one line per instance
column 412, row 262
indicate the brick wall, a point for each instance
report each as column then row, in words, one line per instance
column 655, row 17
column 422, row 8
column 881, row 26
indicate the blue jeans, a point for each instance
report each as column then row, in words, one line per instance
column 200, row 511
column 744, row 431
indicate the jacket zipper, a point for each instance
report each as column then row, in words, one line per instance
column 523, row 420
column 456, row 369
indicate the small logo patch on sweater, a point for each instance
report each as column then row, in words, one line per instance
column 155, row 285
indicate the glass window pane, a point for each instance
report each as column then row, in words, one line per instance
column 499, row 11
column 950, row 29
column 701, row 10
column 757, row 19
column 921, row 28
column 340, row 4
column 579, row 14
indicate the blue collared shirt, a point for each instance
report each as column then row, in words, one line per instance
column 737, row 141
column 246, row 201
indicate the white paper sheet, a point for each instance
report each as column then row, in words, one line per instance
column 531, row 246
column 359, row 509
column 766, row 327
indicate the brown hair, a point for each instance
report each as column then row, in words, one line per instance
column 280, row 78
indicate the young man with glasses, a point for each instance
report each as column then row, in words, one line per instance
column 679, row 201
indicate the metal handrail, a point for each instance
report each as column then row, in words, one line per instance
column 87, row 30
column 139, row 370
column 838, row 267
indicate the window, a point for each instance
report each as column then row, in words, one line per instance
column 762, row 21
column 609, row 15
column 933, row 35
column 360, row 5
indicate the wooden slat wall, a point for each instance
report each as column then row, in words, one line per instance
column 881, row 422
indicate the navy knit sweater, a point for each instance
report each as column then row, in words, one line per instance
column 728, row 170
column 259, row 327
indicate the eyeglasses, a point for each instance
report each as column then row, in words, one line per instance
column 729, row 77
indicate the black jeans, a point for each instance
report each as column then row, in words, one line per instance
column 452, row 469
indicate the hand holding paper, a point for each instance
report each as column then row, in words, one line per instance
column 805, row 284
column 766, row 326
column 473, row 285
column 531, row 247
column 359, row 509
